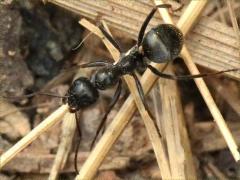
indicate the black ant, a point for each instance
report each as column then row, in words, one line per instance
column 161, row 44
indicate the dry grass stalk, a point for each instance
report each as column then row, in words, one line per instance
column 51, row 120
column 88, row 170
column 64, row 148
column 214, row 44
column 174, row 130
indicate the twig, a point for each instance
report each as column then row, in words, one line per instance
column 68, row 129
column 195, row 5
column 88, row 169
column 51, row 120
column 174, row 129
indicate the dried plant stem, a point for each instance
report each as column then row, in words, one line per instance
column 200, row 83
column 173, row 129
column 68, row 129
column 151, row 129
column 51, row 120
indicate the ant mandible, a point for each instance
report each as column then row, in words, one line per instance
column 161, row 44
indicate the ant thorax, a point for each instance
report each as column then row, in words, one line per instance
column 130, row 61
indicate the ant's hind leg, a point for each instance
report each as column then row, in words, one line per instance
column 141, row 93
column 139, row 87
column 187, row 77
column 147, row 20
column 77, row 147
column 113, row 102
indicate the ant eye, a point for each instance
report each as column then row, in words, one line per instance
column 162, row 43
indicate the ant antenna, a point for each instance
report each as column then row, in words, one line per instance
column 33, row 94
column 87, row 36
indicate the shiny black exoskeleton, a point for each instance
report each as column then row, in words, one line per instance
column 160, row 44
column 81, row 94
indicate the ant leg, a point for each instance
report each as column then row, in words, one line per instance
column 106, row 34
column 110, row 38
column 94, row 64
column 77, row 147
column 113, row 102
column 139, row 87
column 147, row 20
column 186, row 77
column 78, row 46
column 141, row 93
column 167, row 64
column 15, row 98
column 87, row 65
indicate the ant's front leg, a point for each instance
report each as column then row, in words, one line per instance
column 77, row 147
column 110, row 39
column 147, row 20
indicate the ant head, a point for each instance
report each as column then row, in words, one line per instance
column 162, row 43
column 81, row 94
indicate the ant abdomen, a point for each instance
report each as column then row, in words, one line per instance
column 81, row 94
column 162, row 43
